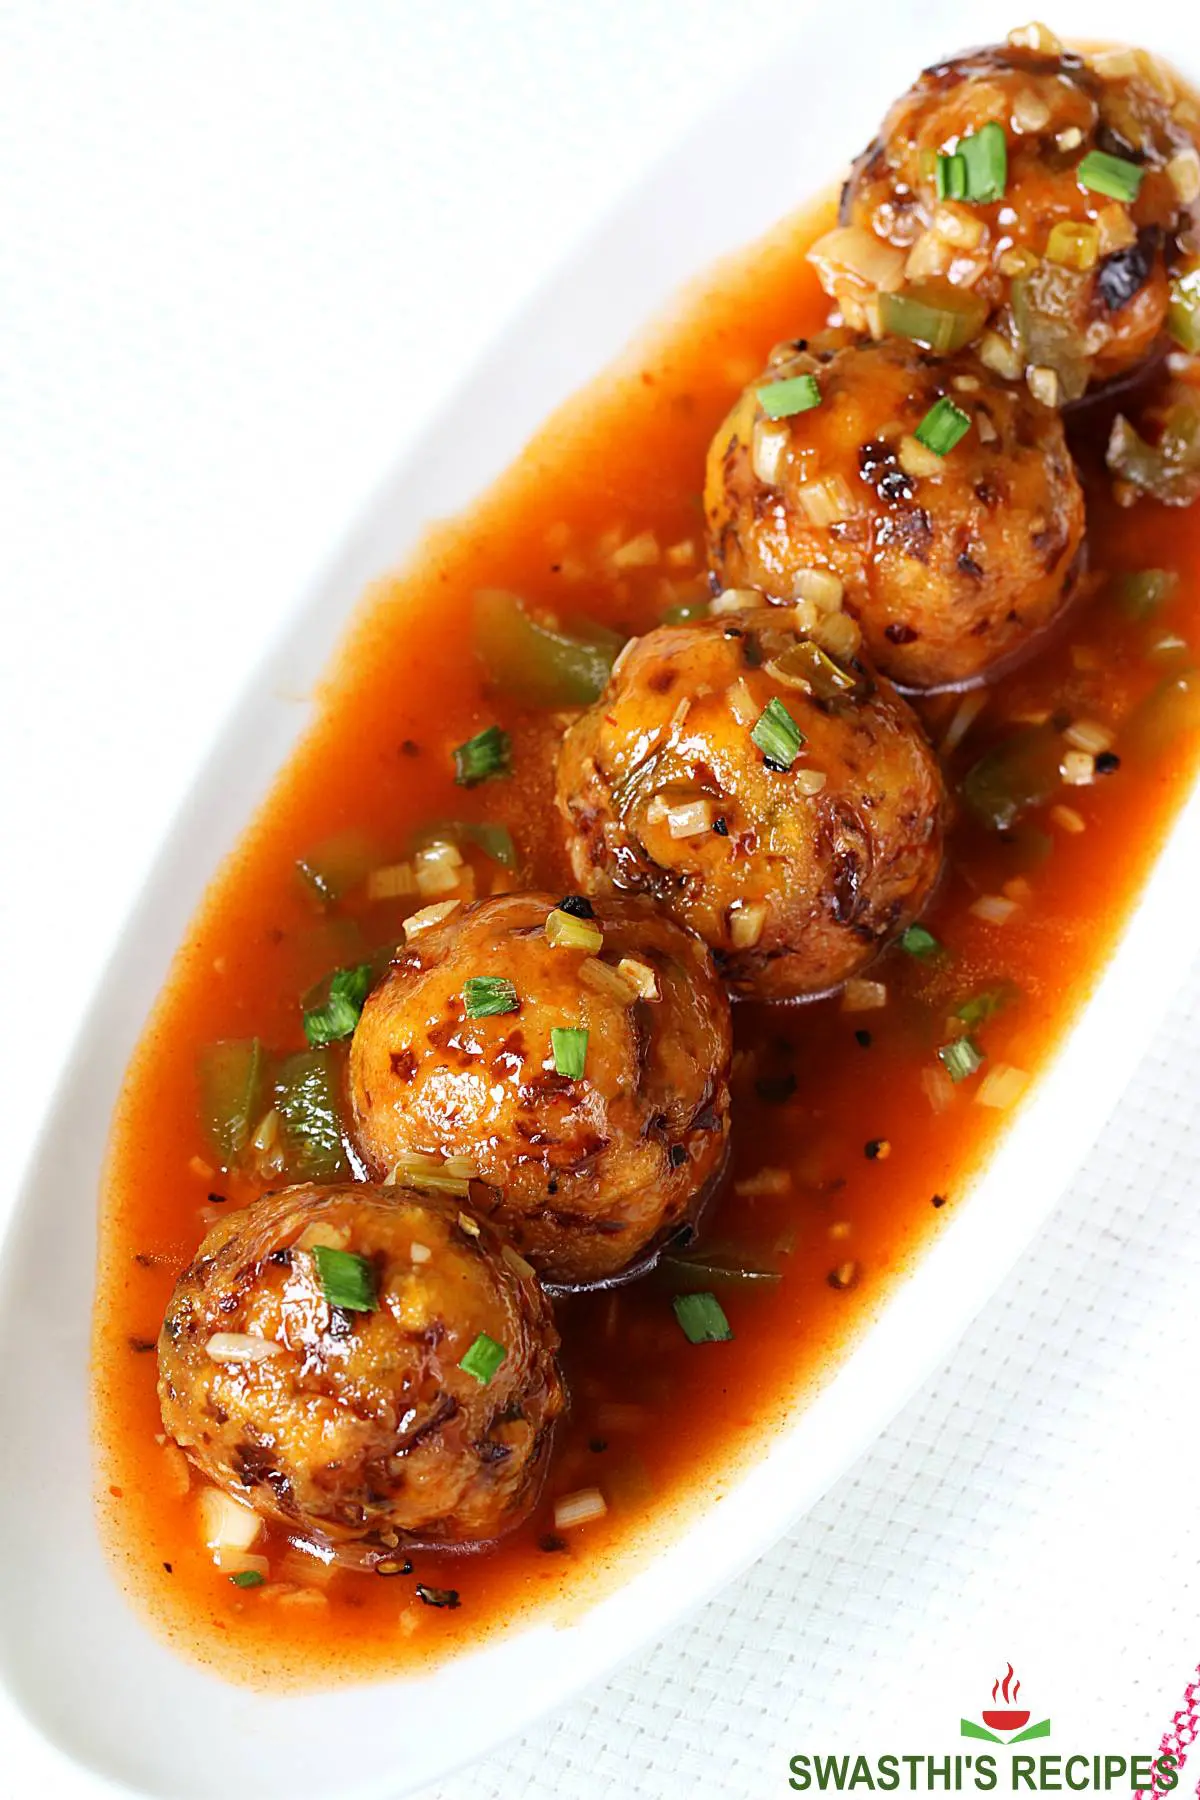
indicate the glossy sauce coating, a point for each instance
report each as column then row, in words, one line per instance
column 581, row 1174
column 1055, row 107
column 799, row 873
column 657, row 1425
column 951, row 564
column 357, row 1427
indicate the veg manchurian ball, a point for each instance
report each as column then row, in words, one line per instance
column 362, row 1427
column 583, row 1173
column 951, row 563
column 1074, row 279
column 796, row 871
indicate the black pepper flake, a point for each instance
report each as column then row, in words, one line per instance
column 281, row 1258
column 577, row 906
column 597, row 1446
column 862, row 1036
column 877, row 1149
column 141, row 1345
column 938, row 1200
column 776, row 1090
column 778, row 767
column 1107, row 763
column 216, row 1199
column 410, row 747
column 169, row 1567
column 721, row 827
column 550, row 1542
column 431, row 1596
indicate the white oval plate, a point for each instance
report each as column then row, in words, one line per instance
column 83, row 1665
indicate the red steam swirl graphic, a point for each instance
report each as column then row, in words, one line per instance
column 1011, row 1717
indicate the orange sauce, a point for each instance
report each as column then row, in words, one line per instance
column 874, row 1153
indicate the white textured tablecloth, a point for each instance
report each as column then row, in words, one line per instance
column 243, row 247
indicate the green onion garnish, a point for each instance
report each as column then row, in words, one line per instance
column 920, row 943
column 337, row 1018
column 247, row 1578
column 777, row 735
column 483, row 1358
column 782, row 399
column 950, row 175
column 347, row 1281
column 985, row 158
column 567, row 931
column 940, row 320
column 702, row 1318
column 961, row 1057
column 943, row 426
column 987, row 1003
column 568, row 1046
column 1114, row 176
column 483, row 757
column 487, row 995
column 1140, row 593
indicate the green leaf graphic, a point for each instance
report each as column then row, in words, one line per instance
column 1032, row 1731
column 970, row 1729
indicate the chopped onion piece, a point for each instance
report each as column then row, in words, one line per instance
column 998, row 355
column 1078, row 769
column 516, row 1262
column 640, row 552
column 823, row 588
column 605, row 980
column 918, row 461
column 396, row 882
column 681, row 555
column 1183, row 171
column 692, row 818
column 746, row 921
column 227, row 1525
column 420, row 1253
column 850, row 252
column 965, row 715
column 863, row 996
column 765, row 1181
column 641, row 977
column 839, row 636
column 1035, row 37
column 733, row 600
column 769, row 443
column 449, row 1175
column 327, row 1236
column 579, row 1509
column 995, row 908
column 438, row 869
column 809, row 781
column 428, row 917
column 1089, row 735
column 1001, row 1087
column 741, row 703
column 827, row 501
column 1044, row 385
column 1068, row 819
column 938, row 1089
column 241, row 1347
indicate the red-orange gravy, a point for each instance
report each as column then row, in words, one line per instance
column 864, row 1155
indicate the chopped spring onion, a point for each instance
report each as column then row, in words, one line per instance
column 231, row 1081
column 950, row 175
column 537, row 661
column 783, row 399
column 961, row 1057
column 940, row 319
column 337, row 1018
column 483, row 1358
column 1141, row 593
column 484, row 757
column 347, row 1280
column 488, row 995
column 495, row 841
column 1115, row 176
column 777, row 735
column 308, row 1092
column 985, row 158
column 566, row 931
column 247, row 1578
column 702, row 1318
column 987, row 1003
column 568, row 1046
column 1169, row 467
column 805, row 664
column 919, row 942
column 943, row 426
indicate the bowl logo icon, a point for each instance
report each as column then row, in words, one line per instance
column 1005, row 1722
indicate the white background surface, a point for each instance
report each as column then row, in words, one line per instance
column 244, row 251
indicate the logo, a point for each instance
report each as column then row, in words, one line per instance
column 1007, row 1724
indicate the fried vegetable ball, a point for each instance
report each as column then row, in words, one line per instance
column 991, row 193
column 366, row 1366
column 951, row 563
column 782, row 804
column 576, row 1063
